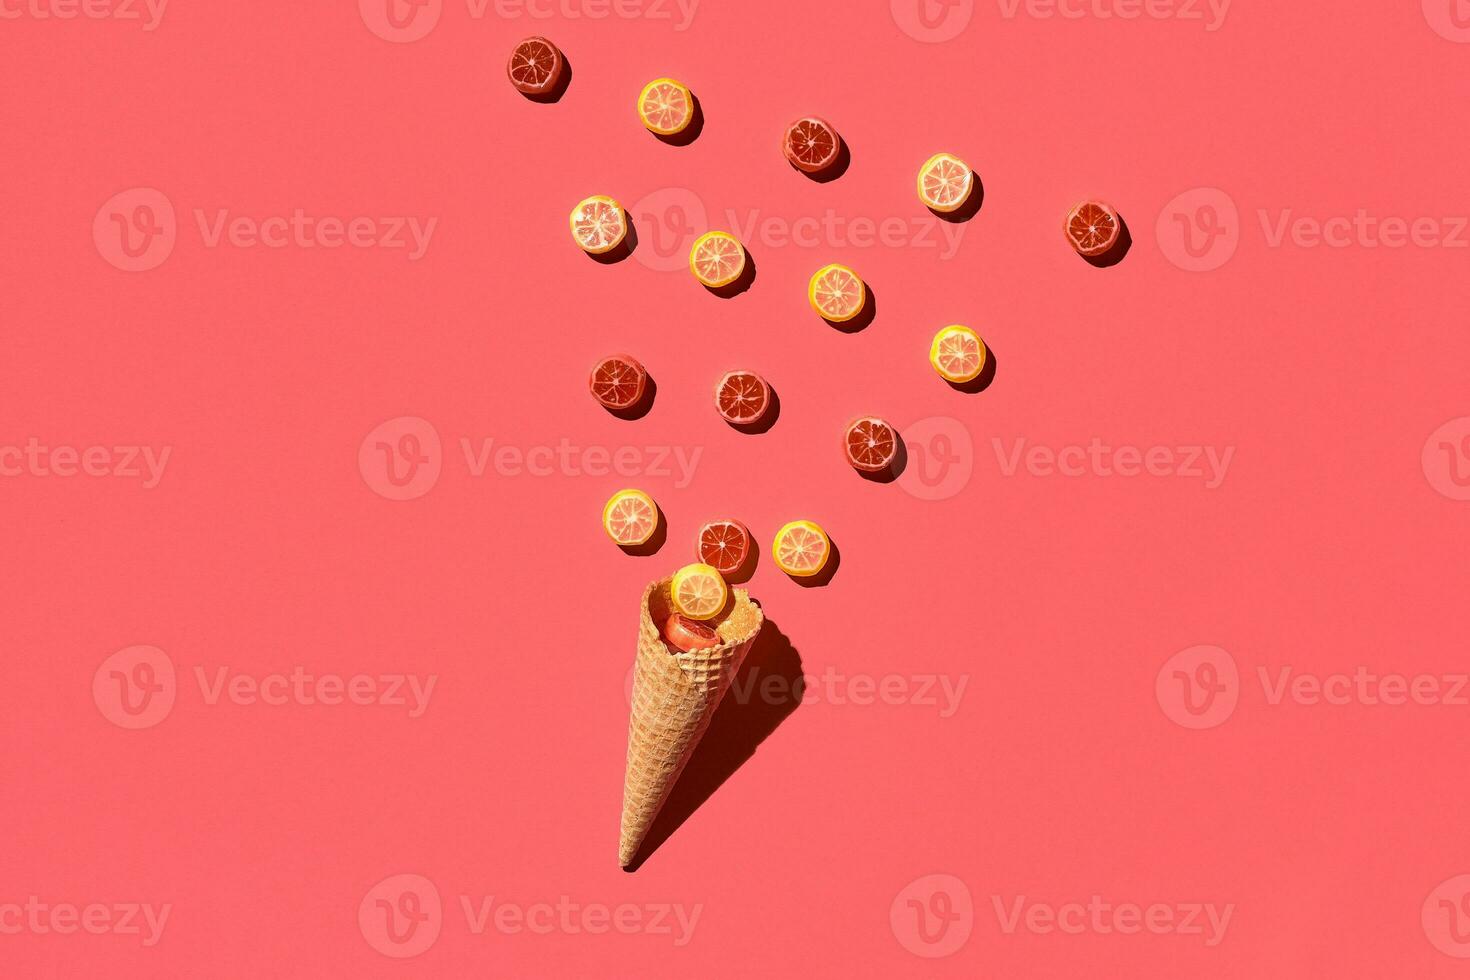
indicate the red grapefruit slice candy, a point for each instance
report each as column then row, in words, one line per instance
column 618, row 382
column 724, row 545
column 870, row 444
column 811, row 144
column 687, row 634
column 535, row 66
column 1092, row 228
column 742, row 397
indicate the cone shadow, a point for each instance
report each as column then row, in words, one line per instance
column 766, row 689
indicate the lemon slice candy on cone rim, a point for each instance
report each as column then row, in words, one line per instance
column 801, row 548
column 630, row 517
column 699, row 591
column 957, row 353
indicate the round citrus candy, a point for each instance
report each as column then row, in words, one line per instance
column 945, row 182
column 665, row 106
column 716, row 258
column 688, row 634
column 836, row 293
column 957, row 353
column 630, row 517
column 801, row 548
column 599, row 224
column 742, row 397
column 535, row 66
column 724, row 545
column 618, row 382
column 1092, row 228
column 699, row 591
column 811, row 144
column 870, row 444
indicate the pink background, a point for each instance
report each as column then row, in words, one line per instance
column 1063, row 774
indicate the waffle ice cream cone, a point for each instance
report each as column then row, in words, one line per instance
column 674, row 697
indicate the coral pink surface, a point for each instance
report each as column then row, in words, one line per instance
column 1148, row 665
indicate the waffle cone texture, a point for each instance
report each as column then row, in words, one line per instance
column 674, row 697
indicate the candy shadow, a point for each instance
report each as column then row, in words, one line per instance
column 747, row 568
column 554, row 94
column 889, row 473
column 764, row 423
column 1115, row 254
column 833, row 170
column 624, row 248
column 642, row 406
column 653, row 544
column 863, row 319
column 965, row 211
column 689, row 133
column 753, row 708
column 820, row 580
column 980, row 381
column 741, row 282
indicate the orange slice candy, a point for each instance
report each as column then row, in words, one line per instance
column 724, row 545
column 801, row 548
column 945, row 182
column 957, row 353
column 716, row 258
column 599, row 224
column 1092, row 228
column 630, row 517
column 870, row 445
column 665, row 106
column 836, row 293
column 687, row 634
